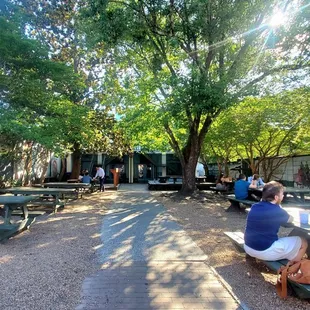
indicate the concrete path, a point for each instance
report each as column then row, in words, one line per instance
column 149, row 262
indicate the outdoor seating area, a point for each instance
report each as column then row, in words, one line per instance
column 21, row 205
column 12, row 203
column 295, row 201
column 175, row 183
column 301, row 290
column 154, row 155
column 18, row 201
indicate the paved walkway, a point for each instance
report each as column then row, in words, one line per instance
column 149, row 262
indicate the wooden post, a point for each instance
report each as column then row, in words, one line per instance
column 115, row 173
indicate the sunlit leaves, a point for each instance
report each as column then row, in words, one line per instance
column 262, row 128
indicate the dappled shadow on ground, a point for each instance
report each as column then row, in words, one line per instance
column 46, row 264
column 158, row 285
column 149, row 262
column 206, row 221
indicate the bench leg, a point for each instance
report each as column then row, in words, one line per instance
column 235, row 207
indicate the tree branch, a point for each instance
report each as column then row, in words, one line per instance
column 270, row 72
column 174, row 143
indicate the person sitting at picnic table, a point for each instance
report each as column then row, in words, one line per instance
column 219, row 182
column 242, row 189
column 258, row 179
column 81, row 176
column 262, row 227
column 100, row 174
column 226, row 179
column 86, row 178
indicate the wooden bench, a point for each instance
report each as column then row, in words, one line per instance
column 301, row 290
column 235, row 204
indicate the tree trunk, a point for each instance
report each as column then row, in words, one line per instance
column 189, row 162
column 190, row 153
column 76, row 158
column 43, row 156
column 189, row 181
column 62, row 170
column 27, row 173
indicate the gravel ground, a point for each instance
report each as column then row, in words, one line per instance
column 204, row 218
column 44, row 267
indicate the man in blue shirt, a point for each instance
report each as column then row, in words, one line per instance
column 86, row 178
column 263, row 223
column 242, row 187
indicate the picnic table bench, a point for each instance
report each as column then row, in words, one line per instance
column 164, row 179
column 12, row 203
column 220, row 190
column 77, row 187
column 301, row 290
column 235, row 204
column 49, row 197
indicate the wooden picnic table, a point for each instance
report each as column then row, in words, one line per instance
column 73, row 185
column 77, row 186
column 229, row 185
column 11, row 203
column 294, row 212
column 40, row 191
column 299, row 229
column 72, row 180
column 297, row 193
column 201, row 179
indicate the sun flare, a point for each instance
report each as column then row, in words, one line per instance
column 277, row 19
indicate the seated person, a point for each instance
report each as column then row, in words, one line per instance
column 262, row 226
column 86, row 178
column 242, row 187
column 260, row 182
column 219, row 182
column 226, row 178
column 81, row 175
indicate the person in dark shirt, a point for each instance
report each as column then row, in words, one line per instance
column 86, row 178
column 262, row 226
column 219, row 182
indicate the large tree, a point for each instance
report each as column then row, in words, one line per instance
column 186, row 61
column 263, row 132
column 56, row 24
column 34, row 91
column 53, row 91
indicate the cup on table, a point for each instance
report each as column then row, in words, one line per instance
column 304, row 217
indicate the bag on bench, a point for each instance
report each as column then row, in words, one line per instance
column 295, row 271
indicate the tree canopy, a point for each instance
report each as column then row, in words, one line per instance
column 186, row 61
column 264, row 132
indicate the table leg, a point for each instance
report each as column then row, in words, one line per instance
column 302, row 197
column 56, row 202
column 7, row 215
column 25, row 212
column 296, row 198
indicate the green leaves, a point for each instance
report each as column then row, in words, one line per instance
column 50, row 83
column 262, row 128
